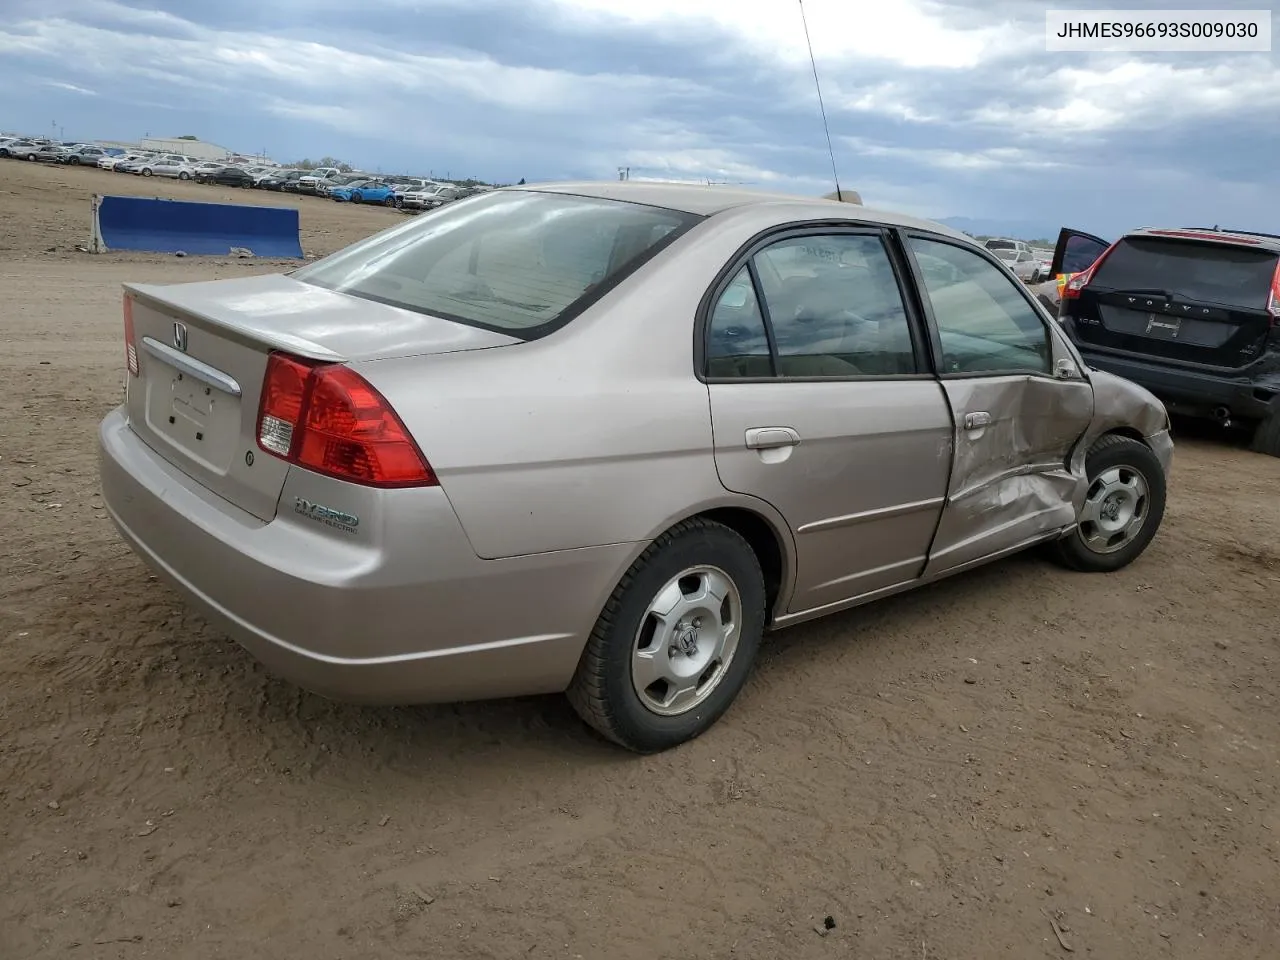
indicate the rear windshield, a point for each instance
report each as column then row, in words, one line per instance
column 1001, row 245
column 519, row 262
column 1210, row 273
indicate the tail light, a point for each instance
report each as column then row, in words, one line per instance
column 130, row 341
column 1078, row 281
column 327, row 418
column 1273, row 301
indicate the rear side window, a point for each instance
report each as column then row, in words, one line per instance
column 1211, row 273
column 818, row 306
column 519, row 262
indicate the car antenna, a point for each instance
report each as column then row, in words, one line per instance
column 821, row 106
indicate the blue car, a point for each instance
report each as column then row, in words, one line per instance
column 365, row 191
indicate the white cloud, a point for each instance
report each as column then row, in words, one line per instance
column 227, row 59
column 976, row 160
column 903, row 32
column 70, row 88
column 1076, row 101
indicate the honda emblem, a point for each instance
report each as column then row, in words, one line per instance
column 180, row 335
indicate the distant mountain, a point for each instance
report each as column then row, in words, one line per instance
column 1014, row 229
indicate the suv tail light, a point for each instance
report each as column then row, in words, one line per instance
column 1079, row 281
column 1273, row 301
column 327, row 418
column 130, row 341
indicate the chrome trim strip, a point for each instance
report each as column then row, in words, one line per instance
column 881, row 513
column 190, row 365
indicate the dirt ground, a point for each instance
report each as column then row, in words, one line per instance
column 940, row 774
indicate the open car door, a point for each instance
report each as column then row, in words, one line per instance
column 1074, row 251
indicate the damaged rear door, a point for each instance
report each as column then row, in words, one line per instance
column 1018, row 398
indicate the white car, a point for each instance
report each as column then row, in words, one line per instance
column 1024, row 263
column 165, row 167
column 109, row 162
column 434, row 196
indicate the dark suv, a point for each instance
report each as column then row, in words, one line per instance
column 1191, row 314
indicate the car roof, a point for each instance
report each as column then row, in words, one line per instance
column 703, row 200
column 1235, row 238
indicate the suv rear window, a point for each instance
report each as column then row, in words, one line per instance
column 1238, row 277
column 519, row 262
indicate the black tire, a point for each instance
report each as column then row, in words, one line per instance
column 602, row 691
column 389, row 202
column 1110, row 452
column 183, row 175
column 145, row 171
column 1266, row 437
column 31, row 158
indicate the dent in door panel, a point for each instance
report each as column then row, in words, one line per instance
column 1010, row 483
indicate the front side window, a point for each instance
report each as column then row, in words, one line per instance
column 519, row 262
column 984, row 322
column 831, row 306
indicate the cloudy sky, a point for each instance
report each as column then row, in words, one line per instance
column 937, row 107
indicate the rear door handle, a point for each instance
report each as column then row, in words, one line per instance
column 977, row 420
column 769, row 438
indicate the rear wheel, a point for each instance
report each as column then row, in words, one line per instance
column 676, row 640
column 1266, row 437
column 1122, row 509
column 183, row 175
column 146, row 171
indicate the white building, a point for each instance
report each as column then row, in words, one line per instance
column 191, row 148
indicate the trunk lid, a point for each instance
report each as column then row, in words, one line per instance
column 1183, row 300
column 202, row 353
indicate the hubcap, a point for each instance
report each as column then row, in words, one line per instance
column 1115, row 509
column 686, row 640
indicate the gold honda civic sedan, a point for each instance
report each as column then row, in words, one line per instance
column 599, row 437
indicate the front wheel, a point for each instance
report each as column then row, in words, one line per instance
column 389, row 202
column 676, row 640
column 146, row 172
column 357, row 198
column 1122, row 509
column 183, row 175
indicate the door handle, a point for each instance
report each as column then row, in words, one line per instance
column 977, row 420
column 769, row 438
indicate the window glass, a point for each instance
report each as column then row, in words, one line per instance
column 835, row 307
column 737, row 345
column 984, row 322
column 1207, row 272
column 1079, row 253
column 515, row 261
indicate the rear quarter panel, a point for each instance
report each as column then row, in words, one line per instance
column 599, row 433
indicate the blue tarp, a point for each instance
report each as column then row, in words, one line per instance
column 170, row 226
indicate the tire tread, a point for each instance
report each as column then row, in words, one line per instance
column 586, row 692
column 1064, row 551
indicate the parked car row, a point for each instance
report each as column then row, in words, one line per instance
column 411, row 194
column 49, row 151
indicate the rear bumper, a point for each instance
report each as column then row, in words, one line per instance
column 402, row 612
column 1193, row 392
